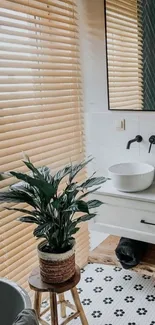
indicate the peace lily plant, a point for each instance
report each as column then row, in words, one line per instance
column 54, row 212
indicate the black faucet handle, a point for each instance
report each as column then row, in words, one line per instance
column 152, row 141
column 139, row 138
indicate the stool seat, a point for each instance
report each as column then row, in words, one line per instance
column 36, row 283
column 59, row 289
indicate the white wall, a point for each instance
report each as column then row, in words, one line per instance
column 103, row 141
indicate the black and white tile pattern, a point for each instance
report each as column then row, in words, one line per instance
column 113, row 296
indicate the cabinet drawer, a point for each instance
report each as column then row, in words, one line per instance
column 126, row 218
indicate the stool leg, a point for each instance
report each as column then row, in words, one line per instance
column 62, row 305
column 79, row 306
column 37, row 303
column 53, row 307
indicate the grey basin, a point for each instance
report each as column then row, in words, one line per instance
column 13, row 299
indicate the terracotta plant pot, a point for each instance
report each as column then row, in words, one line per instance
column 56, row 268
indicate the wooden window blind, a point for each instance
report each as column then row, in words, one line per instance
column 124, row 54
column 40, row 110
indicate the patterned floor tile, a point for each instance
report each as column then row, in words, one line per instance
column 114, row 296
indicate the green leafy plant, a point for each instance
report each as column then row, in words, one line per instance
column 53, row 212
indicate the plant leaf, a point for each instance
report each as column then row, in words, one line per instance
column 93, row 182
column 94, row 204
column 17, row 197
column 74, row 230
column 85, row 217
column 78, row 206
column 62, row 173
column 32, row 168
column 46, row 173
column 55, row 234
column 76, row 169
column 41, row 230
column 42, row 173
column 28, row 219
column 89, row 192
column 82, row 206
column 32, row 213
column 46, row 188
column 71, row 192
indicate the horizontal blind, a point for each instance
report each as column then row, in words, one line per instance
column 124, row 54
column 40, row 109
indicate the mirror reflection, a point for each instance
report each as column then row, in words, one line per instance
column 130, row 38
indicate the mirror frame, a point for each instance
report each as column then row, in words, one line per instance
column 107, row 72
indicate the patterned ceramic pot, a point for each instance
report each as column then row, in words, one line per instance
column 56, row 268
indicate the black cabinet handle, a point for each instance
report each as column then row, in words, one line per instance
column 147, row 223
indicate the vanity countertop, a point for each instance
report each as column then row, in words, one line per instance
column 148, row 195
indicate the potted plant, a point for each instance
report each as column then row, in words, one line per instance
column 54, row 212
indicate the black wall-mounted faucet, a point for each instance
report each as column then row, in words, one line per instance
column 138, row 138
column 152, row 141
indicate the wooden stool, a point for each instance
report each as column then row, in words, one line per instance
column 39, row 287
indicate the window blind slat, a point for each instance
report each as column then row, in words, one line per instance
column 129, row 29
column 12, row 263
column 124, row 53
column 40, row 101
column 16, row 250
column 62, row 4
column 39, row 87
column 117, row 42
column 122, row 22
column 41, row 51
column 119, row 34
column 43, row 59
column 126, row 8
column 42, row 148
column 71, row 130
column 24, row 125
column 51, row 9
column 68, row 34
column 38, row 129
column 44, row 38
column 43, row 22
column 14, row 151
column 41, row 111
column 25, row 73
column 122, row 80
column 37, row 13
column 18, row 111
column 47, row 45
column 31, row 115
column 18, row 270
column 43, row 94
column 44, row 80
column 23, row 272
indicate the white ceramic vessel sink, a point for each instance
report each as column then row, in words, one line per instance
column 131, row 177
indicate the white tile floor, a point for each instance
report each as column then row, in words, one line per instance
column 113, row 296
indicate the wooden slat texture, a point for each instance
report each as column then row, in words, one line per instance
column 124, row 54
column 41, row 104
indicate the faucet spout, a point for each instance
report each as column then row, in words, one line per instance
column 138, row 138
column 129, row 143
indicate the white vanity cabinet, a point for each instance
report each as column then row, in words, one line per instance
column 129, row 215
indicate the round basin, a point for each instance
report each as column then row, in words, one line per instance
column 131, row 177
column 13, row 299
